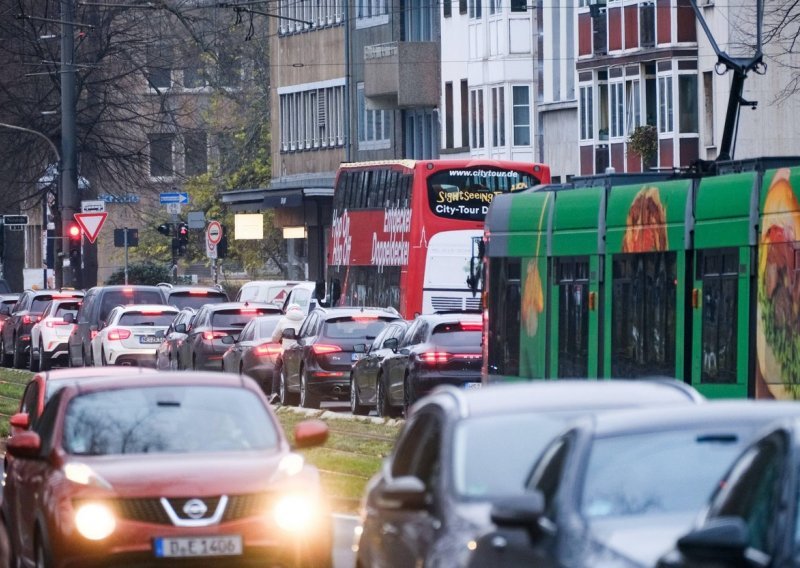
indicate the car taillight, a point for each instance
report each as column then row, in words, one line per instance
column 93, row 333
column 323, row 349
column 212, row 335
column 434, row 357
column 52, row 323
column 118, row 334
column 198, row 292
column 152, row 312
column 471, row 326
column 268, row 349
column 30, row 319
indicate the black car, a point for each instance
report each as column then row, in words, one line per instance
column 254, row 353
column 364, row 376
column 621, row 488
column 15, row 340
column 460, row 451
column 92, row 315
column 436, row 349
column 174, row 336
column 194, row 296
column 318, row 365
column 203, row 347
column 752, row 518
column 7, row 300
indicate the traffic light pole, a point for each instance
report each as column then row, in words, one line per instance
column 68, row 199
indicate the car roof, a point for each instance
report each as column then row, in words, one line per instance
column 63, row 293
column 237, row 305
column 183, row 289
column 272, row 283
column 757, row 413
column 352, row 311
column 77, row 373
column 172, row 378
column 564, row 395
column 148, row 307
column 129, row 286
column 9, row 296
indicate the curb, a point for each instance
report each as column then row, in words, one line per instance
column 330, row 415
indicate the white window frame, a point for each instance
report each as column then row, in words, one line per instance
column 498, row 116
column 616, row 110
column 373, row 124
column 586, row 111
column 666, row 104
column 514, row 124
column 633, row 104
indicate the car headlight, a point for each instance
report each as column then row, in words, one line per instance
column 82, row 474
column 295, row 512
column 95, row 521
column 291, row 464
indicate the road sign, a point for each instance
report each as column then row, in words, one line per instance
column 97, row 206
column 174, row 197
column 15, row 220
column 196, row 219
column 211, row 249
column 214, row 233
column 133, row 237
column 91, row 223
column 174, row 208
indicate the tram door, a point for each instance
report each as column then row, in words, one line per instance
column 572, row 283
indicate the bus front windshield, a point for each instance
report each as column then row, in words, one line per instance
column 465, row 194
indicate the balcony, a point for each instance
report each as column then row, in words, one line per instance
column 402, row 74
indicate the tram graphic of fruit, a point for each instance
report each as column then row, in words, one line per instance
column 646, row 223
column 778, row 324
column 532, row 298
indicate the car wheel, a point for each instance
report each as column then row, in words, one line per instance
column 194, row 362
column 33, row 362
column 43, row 556
column 356, row 407
column 88, row 361
column 44, row 359
column 103, row 360
column 4, row 359
column 307, row 398
column 408, row 397
column 384, row 406
column 287, row 398
column 19, row 357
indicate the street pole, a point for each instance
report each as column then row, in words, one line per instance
column 69, row 199
column 125, row 241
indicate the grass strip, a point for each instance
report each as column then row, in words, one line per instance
column 12, row 385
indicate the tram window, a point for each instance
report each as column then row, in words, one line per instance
column 504, row 321
column 573, row 317
column 720, row 286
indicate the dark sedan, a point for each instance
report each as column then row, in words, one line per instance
column 7, row 302
column 254, row 354
column 437, row 349
column 174, row 336
column 752, row 519
column 319, row 365
column 364, row 376
column 203, row 348
column 620, row 489
column 462, row 450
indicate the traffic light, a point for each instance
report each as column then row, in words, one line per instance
column 165, row 229
column 74, row 233
column 183, row 238
column 74, row 237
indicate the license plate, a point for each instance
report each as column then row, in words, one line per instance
column 188, row 547
column 471, row 386
column 149, row 339
column 356, row 356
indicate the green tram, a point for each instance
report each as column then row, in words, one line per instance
column 642, row 275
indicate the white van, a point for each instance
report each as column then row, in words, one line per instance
column 267, row 291
column 304, row 295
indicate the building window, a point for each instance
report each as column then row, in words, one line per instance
column 687, row 104
column 447, row 8
column 195, row 152
column 519, row 5
column 477, row 119
column 633, row 105
column 373, row 125
column 587, row 112
column 462, row 6
column 522, row 115
column 161, row 155
column 494, row 7
column 475, row 9
column 464, row 113
column 617, row 110
column 448, row 115
column 312, row 118
column 419, row 18
column 159, row 77
column 421, row 135
column 294, row 16
column 498, row 117
column 371, row 13
column 665, row 104
column 708, row 111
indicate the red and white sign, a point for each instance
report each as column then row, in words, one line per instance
column 91, row 223
column 214, row 233
column 388, row 245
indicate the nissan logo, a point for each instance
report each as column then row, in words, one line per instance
column 195, row 509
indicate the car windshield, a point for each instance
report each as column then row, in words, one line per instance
column 657, row 472
column 66, row 308
column 194, row 300
column 40, row 303
column 493, row 455
column 174, row 419
column 237, row 317
column 162, row 319
column 454, row 335
column 354, row 327
column 114, row 298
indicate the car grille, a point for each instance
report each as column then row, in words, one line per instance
column 150, row 509
column 451, row 304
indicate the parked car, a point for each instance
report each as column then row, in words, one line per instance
column 203, row 348
column 461, row 450
column 174, row 336
column 752, row 518
column 436, row 349
column 15, row 339
column 254, row 353
column 50, row 334
column 6, row 300
column 266, row 291
column 93, row 313
column 194, row 296
column 620, row 489
column 364, row 376
column 131, row 335
column 209, row 477
column 318, row 365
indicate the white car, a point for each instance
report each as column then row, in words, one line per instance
column 49, row 336
column 130, row 336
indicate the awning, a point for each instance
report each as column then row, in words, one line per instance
column 283, row 198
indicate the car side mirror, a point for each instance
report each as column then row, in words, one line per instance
column 69, row 318
column 289, row 333
column 391, row 343
column 180, row 328
column 723, row 540
column 406, row 492
column 360, row 348
column 24, row 445
column 20, row 421
column 309, row 433
column 519, row 511
column 228, row 340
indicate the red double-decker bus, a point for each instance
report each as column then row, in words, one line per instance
column 404, row 231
